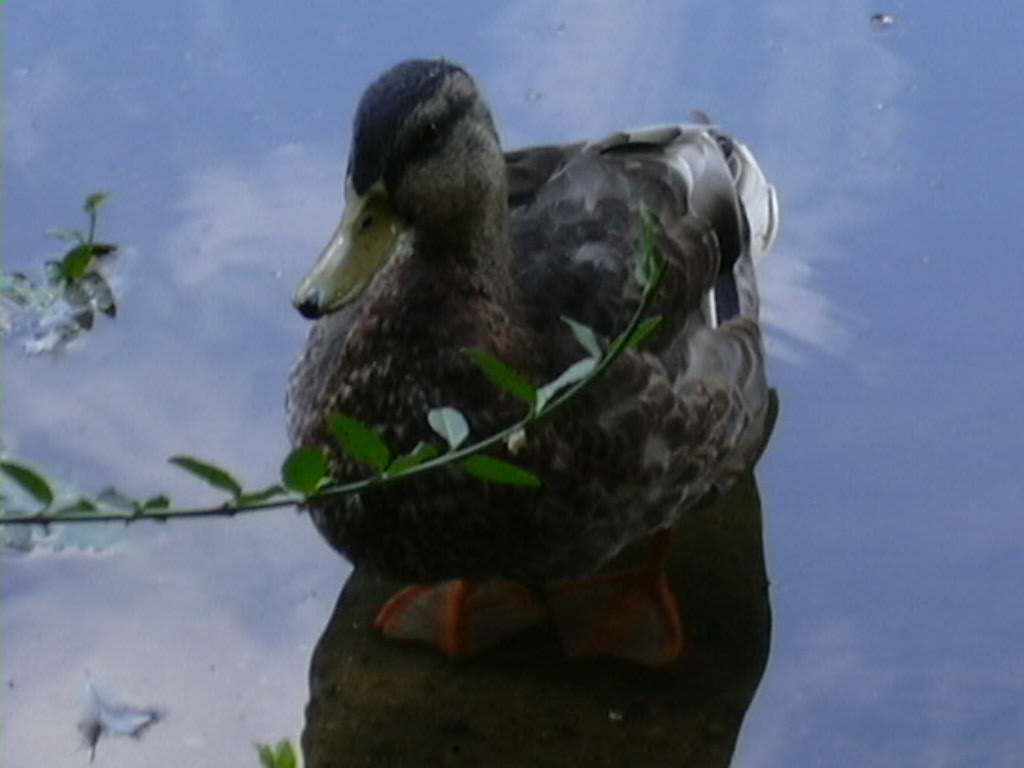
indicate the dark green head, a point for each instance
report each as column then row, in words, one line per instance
column 425, row 161
column 402, row 115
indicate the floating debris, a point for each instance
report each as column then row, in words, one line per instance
column 883, row 19
column 102, row 718
column 61, row 305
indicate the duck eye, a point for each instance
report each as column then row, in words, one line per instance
column 428, row 136
column 365, row 223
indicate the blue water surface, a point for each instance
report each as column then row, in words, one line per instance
column 892, row 490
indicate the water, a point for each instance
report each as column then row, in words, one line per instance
column 891, row 491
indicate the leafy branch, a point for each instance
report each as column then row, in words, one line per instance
column 305, row 472
column 280, row 755
column 64, row 302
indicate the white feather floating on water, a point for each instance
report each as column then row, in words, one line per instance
column 102, row 717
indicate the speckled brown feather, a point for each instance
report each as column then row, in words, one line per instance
column 665, row 426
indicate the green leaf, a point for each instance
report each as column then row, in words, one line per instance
column 82, row 504
column 305, row 470
column 30, row 481
column 449, row 424
column 500, row 472
column 646, row 260
column 359, row 441
column 160, row 501
column 285, row 755
column 94, row 201
column 112, row 497
column 265, row 494
column 585, row 336
column 266, row 755
column 575, row 372
column 643, row 330
column 210, row 473
column 421, row 453
column 281, row 756
column 503, row 376
column 76, row 262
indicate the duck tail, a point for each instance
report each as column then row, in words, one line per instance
column 757, row 196
column 735, row 291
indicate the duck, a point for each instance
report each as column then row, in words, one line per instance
column 449, row 243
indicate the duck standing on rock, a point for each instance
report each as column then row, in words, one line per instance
column 448, row 244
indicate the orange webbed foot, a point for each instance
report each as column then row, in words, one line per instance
column 629, row 614
column 458, row 617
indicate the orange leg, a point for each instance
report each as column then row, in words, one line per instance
column 630, row 614
column 458, row 617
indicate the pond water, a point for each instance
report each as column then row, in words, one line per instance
column 892, row 494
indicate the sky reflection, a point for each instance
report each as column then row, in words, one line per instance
column 892, row 493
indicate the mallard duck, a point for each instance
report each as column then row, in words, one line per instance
column 447, row 244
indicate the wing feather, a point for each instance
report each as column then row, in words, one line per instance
column 696, row 401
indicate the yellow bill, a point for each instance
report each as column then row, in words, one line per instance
column 358, row 250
